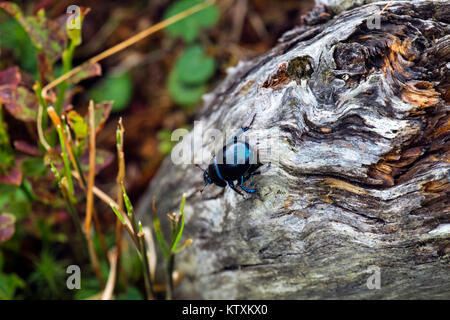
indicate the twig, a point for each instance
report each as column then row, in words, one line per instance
column 109, row 201
column 147, row 275
column 120, row 178
column 91, row 179
column 142, row 248
column 90, row 194
column 66, row 149
column 109, row 288
column 41, row 119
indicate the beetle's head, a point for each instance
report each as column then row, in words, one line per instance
column 206, row 178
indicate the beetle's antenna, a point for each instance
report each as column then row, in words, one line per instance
column 253, row 119
column 198, row 166
column 201, row 190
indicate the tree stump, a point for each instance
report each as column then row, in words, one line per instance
column 355, row 113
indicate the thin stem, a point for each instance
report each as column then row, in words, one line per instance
column 119, row 179
column 170, row 268
column 109, row 201
column 147, row 276
column 90, row 195
column 74, row 214
column 41, row 117
column 109, row 288
column 91, row 179
column 67, row 65
column 72, row 211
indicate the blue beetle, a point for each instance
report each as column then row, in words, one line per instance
column 239, row 162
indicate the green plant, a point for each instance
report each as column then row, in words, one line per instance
column 15, row 39
column 29, row 182
column 7, row 222
column 169, row 251
column 66, row 146
column 9, row 283
column 193, row 68
column 173, row 247
column 49, row 276
column 6, row 152
column 165, row 144
column 189, row 28
column 115, row 87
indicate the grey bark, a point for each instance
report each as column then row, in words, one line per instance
column 360, row 119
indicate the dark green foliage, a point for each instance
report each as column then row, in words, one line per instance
column 193, row 68
column 190, row 28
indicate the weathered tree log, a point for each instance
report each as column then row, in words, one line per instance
column 360, row 119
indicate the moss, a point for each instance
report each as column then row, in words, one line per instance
column 300, row 67
column 293, row 103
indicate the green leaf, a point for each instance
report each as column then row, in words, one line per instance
column 118, row 214
column 103, row 158
column 7, row 223
column 101, row 114
column 6, row 152
column 46, row 35
column 14, row 38
column 180, row 225
column 190, row 27
column 193, row 67
column 127, row 201
column 9, row 283
column 166, row 144
column 183, row 94
column 86, row 72
column 117, row 88
column 78, row 125
column 13, row 199
column 21, row 103
column 159, row 235
column 34, row 167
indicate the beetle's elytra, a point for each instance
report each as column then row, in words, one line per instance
column 239, row 162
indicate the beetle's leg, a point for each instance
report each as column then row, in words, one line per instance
column 261, row 171
column 231, row 184
column 244, row 188
column 244, row 129
column 247, row 190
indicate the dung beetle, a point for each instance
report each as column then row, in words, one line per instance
column 239, row 162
